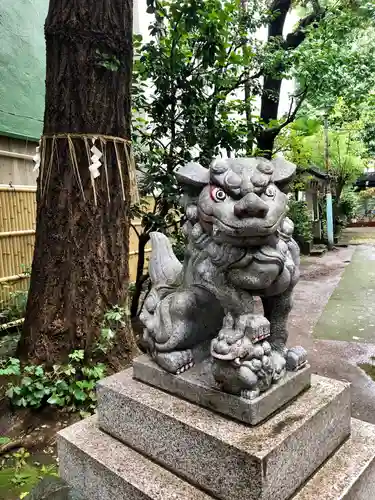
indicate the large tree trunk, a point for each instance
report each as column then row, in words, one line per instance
column 272, row 82
column 80, row 266
column 248, row 95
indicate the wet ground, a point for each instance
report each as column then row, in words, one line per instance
column 334, row 317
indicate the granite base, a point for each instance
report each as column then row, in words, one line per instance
column 349, row 474
column 227, row 458
column 101, row 468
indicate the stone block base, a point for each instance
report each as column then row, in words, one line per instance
column 101, row 468
column 198, row 386
column 350, row 473
column 227, row 458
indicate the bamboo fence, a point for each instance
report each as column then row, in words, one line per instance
column 17, row 234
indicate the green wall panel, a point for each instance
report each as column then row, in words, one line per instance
column 22, row 67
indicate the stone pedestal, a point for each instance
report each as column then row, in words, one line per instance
column 227, row 458
column 198, row 386
column 146, row 443
column 101, row 468
column 104, row 469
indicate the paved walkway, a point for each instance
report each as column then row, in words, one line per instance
column 332, row 318
column 359, row 235
column 349, row 314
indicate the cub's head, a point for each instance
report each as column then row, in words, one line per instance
column 241, row 200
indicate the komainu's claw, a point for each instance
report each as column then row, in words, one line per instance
column 247, row 394
column 296, row 358
column 176, row 362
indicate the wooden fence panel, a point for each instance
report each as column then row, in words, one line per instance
column 17, row 234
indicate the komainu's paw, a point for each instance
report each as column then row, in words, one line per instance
column 279, row 365
column 250, row 394
column 175, row 362
column 296, row 358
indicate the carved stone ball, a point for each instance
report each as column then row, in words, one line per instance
column 266, row 362
column 218, row 167
column 151, row 302
column 255, row 364
column 192, row 212
column 265, row 167
column 287, row 227
column 267, row 348
column 221, row 346
column 258, row 351
column 196, row 231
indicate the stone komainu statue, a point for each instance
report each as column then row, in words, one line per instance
column 239, row 246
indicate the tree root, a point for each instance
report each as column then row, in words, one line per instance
column 26, row 442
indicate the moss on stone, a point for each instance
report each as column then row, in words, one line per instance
column 369, row 368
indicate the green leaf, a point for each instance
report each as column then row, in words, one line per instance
column 68, row 370
column 10, row 392
column 85, row 414
column 26, row 381
column 39, row 372
column 77, row 355
column 56, row 401
column 61, row 385
column 79, row 394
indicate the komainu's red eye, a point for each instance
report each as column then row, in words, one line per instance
column 218, row 194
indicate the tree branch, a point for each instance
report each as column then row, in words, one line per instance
column 151, row 137
column 134, row 229
column 273, row 131
column 294, row 39
column 316, row 6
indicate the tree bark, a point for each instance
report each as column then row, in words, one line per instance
column 247, row 92
column 272, row 84
column 272, row 81
column 141, row 277
column 80, row 265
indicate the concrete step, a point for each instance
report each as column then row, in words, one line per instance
column 349, row 474
column 227, row 458
column 318, row 250
column 101, row 468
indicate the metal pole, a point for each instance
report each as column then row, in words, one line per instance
column 328, row 194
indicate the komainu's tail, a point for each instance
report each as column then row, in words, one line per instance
column 164, row 267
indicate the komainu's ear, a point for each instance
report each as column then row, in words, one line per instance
column 284, row 170
column 193, row 174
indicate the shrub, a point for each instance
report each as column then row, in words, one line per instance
column 113, row 321
column 15, row 307
column 301, row 217
column 71, row 386
column 348, row 205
